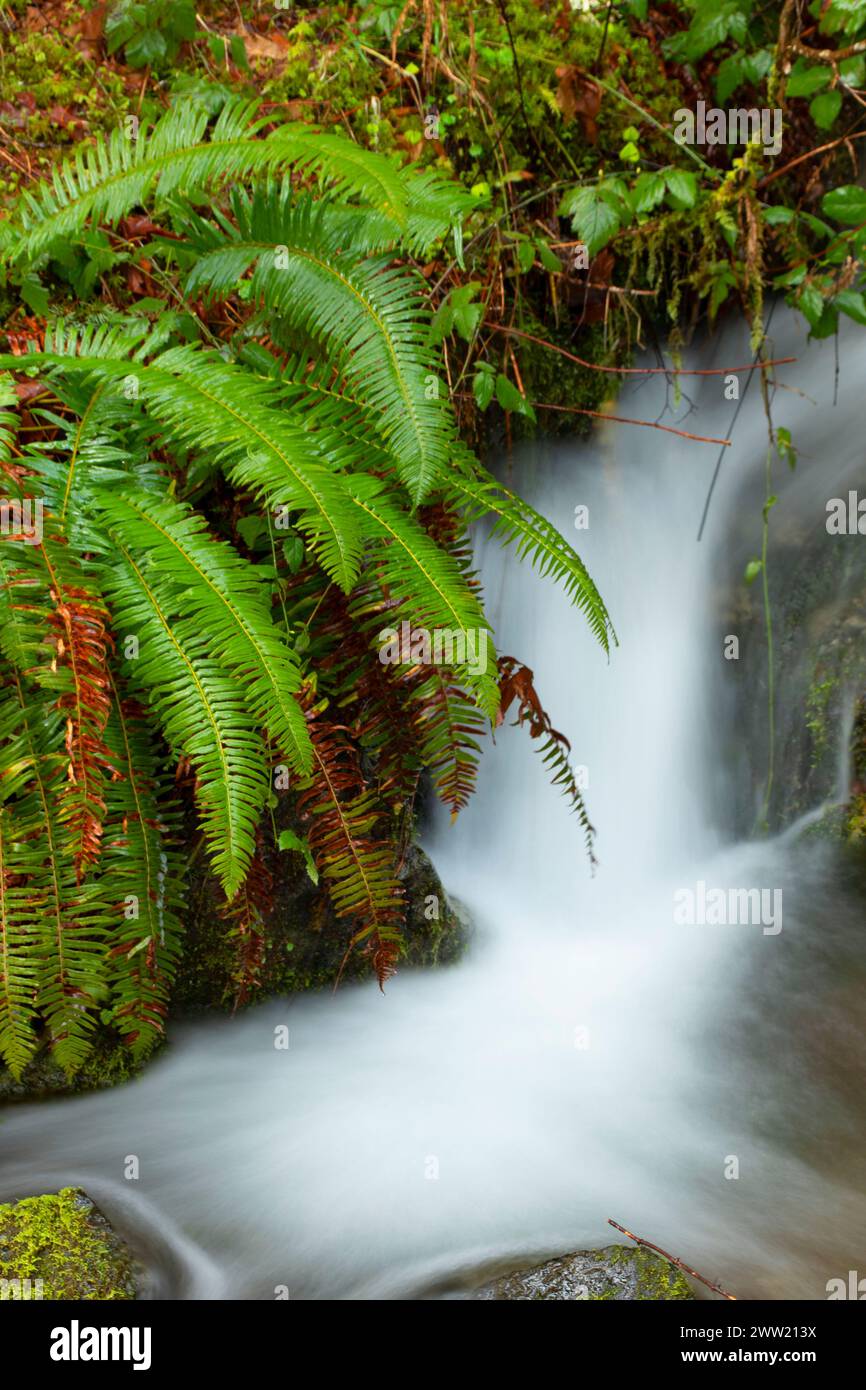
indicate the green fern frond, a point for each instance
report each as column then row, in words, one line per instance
column 430, row 585
column 434, row 206
column 103, row 181
column 142, row 870
column 207, row 406
column 19, row 957
column 202, row 711
column 448, row 728
column 535, row 538
column 207, row 582
column 370, row 317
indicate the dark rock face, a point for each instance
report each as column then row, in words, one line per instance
column 306, row 943
column 305, row 948
column 60, row 1246
column 618, row 1273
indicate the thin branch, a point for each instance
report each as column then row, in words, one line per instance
column 680, row 1264
column 633, row 371
column 618, row 419
column 810, row 154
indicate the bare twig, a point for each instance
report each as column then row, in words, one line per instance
column 633, row 371
column 810, row 154
column 680, row 1264
column 618, row 419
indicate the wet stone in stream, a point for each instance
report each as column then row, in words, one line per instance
column 617, row 1273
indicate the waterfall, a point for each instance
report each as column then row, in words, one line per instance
column 592, row 1056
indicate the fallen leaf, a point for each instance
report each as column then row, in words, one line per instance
column 579, row 95
column 92, row 24
column 26, row 390
column 260, row 46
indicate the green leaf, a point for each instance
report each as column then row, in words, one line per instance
column 730, row 76
column 146, row 48
column 852, row 71
column 753, row 569
column 457, row 313
column 810, row 302
column 294, row 551
column 525, row 256
column 483, row 385
column 289, row 840
column 510, row 398
column 34, row 294
column 852, row 303
column 790, row 278
column 778, row 216
column 648, row 191
column 239, row 53
column 682, row 186
column 785, row 447
column 593, row 217
column 548, row 258
column 806, row 79
column 846, row 204
column 825, row 108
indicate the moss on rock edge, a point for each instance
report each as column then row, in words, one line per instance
column 618, row 1273
column 64, row 1241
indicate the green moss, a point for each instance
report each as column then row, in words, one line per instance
column 619, row 1273
column 656, row 1279
column 817, row 703
column 550, row 378
column 58, row 98
column 64, row 1241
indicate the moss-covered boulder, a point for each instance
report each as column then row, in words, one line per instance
column 60, row 1246
column 305, row 944
column 304, row 948
column 618, row 1273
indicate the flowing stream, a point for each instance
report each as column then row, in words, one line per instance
column 591, row 1057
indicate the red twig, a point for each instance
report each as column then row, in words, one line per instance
column 634, row 371
column 810, row 154
column 680, row 1264
column 619, row 419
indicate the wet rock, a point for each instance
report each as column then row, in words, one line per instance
column 306, row 943
column 618, row 1273
column 60, row 1246
column 108, row 1064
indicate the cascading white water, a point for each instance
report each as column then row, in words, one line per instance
column 590, row 1058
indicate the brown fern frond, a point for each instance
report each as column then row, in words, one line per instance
column 517, row 683
column 247, row 913
column 344, row 831
column 82, row 641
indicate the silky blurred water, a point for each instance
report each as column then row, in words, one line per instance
column 590, row 1058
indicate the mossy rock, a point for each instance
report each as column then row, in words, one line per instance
column 306, row 944
column 109, row 1063
column 618, row 1273
column 65, row 1242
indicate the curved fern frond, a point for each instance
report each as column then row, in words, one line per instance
column 105, row 180
column 210, row 407
column 431, row 586
column 143, row 868
column 448, row 729
column 19, row 957
column 311, row 276
column 213, row 587
column 534, row 537
column 434, row 206
column 357, row 864
column 202, row 711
